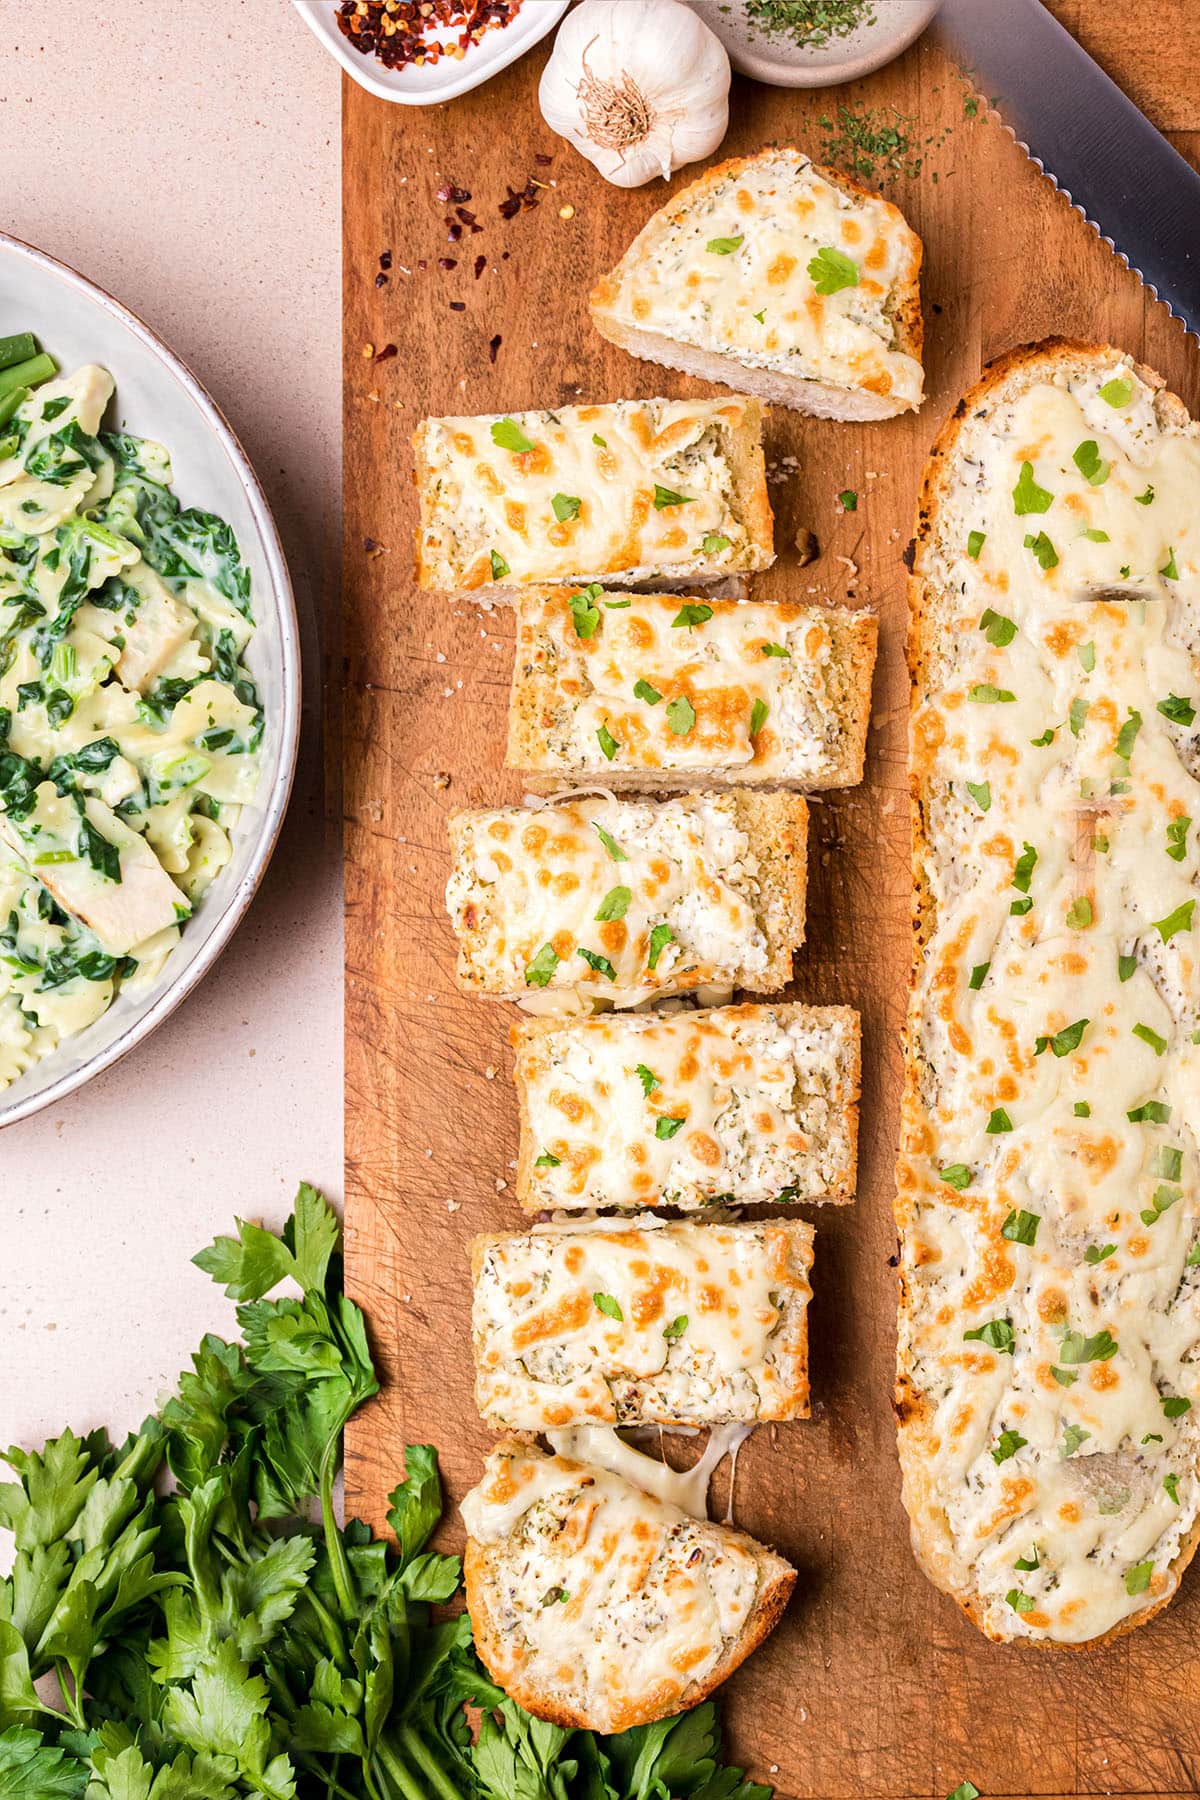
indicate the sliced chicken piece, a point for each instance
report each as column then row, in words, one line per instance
column 161, row 627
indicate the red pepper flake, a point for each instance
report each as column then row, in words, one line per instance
column 458, row 306
column 395, row 31
column 386, row 354
column 381, row 279
column 455, row 231
column 520, row 200
column 468, row 218
column 385, row 259
column 480, row 266
column 494, row 347
column 453, row 196
column 545, row 161
column 373, row 547
column 447, row 262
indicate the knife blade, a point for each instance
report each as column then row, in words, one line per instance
column 1074, row 122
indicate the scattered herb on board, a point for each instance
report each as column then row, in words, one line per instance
column 873, row 142
column 226, row 1639
column 809, row 23
column 395, row 31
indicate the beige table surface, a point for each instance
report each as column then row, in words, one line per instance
column 185, row 156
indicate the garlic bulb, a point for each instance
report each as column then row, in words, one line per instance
column 639, row 86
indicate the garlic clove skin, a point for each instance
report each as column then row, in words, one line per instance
column 640, row 87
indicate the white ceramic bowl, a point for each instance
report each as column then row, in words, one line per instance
column 435, row 82
column 158, row 397
column 773, row 58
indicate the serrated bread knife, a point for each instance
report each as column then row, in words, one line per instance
column 1074, row 122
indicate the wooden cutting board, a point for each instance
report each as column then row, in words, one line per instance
column 873, row 1685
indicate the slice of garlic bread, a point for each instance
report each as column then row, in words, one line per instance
column 619, row 901
column 781, row 278
column 599, row 1607
column 1048, row 1199
column 642, row 1323
column 739, row 692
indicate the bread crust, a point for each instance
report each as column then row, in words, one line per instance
column 819, row 398
column 1004, row 378
column 546, row 1702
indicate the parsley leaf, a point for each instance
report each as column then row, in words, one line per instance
column 507, row 435
column 681, row 715
column 615, row 903
column 691, row 614
column 642, row 690
column 830, row 270
column 664, row 497
column 1027, row 496
column 724, row 246
column 996, row 628
column 609, row 1307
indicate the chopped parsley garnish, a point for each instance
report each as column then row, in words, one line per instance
column 1021, row 1603
column 830, row 270
column 1137, row 1579
column 1027, row 496
column 1171, row 1483
column 724, row 246
column 1126, row 967
column 547, row 1160
column 660, row 937
column 666, row 1127
column 1179, row 920
column 584, row 610
column 999, row 1122
column 997, row 629
column 981, row 794
column 617, row 605
column 507, row 435
column 1022, row 877
column 539, row 971
column 607, row 742
column 1095, row 535
column 692, row 614
column 615, row 903
column 761, row 316
column 1167, row 1161
column 609, row 1307
column 758, row 717
column 1127, row 736
column 677, row 1327
column 610, row 843
column 1156, row 1043
column 1145, row 499
column 1007, row 1444
column 599, row 963
column 1075, row 1348
column 1073, row 1436
column 956, row 1175
column 664, row 496
column 849, row 500
column 1079, row 913
column 1043, row 549
column 1177, row 709
column 978, row 975
column 1090, row 463
column 681, row 715
column 1047, row 737
column 1098, row 1253
column 566, row 506
column 1028, row 1563
column 1170, row 570
column 1021, row 1227
column 597, row 439
column 1118, row 391
column 1063, row 1042
column 1174, row 1405
column 1151, row 1112
column 1087, row 657
column 997, row 1334
column 975, row 542
column 775, row 650
column 499, row 567
column 1082, row 1109
column 648, row 1079
column 1163, row 1199
column 643, row 691
column 1077, row 716
column 984, row 694
column 714, row 542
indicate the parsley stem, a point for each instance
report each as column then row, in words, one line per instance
column 330, row 1631
column 425, row 1760
column 339, row 1562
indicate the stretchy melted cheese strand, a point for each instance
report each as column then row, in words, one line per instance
column 595, row 1605
column 1048, row 1200
column 648, row 1323
column 622, row 900
column 742, row 1104
column 627, row 492
column 725, row 690
column 780, row 278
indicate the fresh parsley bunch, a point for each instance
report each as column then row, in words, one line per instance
column 228, row 1638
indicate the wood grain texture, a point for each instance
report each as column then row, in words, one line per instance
column 873, row 1686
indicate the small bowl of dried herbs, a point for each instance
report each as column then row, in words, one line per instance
column 814, row 43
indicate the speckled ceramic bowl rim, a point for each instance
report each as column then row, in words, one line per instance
column 270, row 807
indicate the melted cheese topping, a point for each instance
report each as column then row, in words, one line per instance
column 626, row 491
column 741, row 689
column 741, row 1104
column 672, row 1325
column 1049, row 1165
column 531, row 891
column 612, row 1600
column 603, row 1448
column 725, row 268
column 129, row 726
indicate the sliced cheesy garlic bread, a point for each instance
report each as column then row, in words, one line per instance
column 620, row 900
column 781, row 278
column 1048, row 1202
column 638, row 490
column 735, row 1104
column 598, row 1607
column 642, row 1324
column 637, row 690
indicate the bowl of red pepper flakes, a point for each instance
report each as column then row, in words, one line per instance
column 422, row 52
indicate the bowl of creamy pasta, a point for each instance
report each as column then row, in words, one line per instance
column 149, row 681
